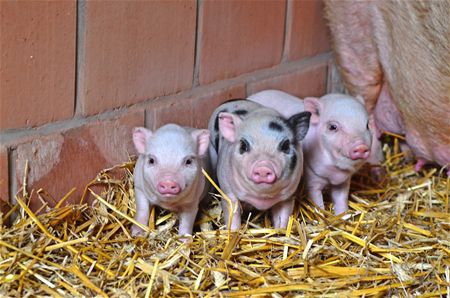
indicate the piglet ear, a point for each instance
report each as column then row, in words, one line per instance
column 314, row 106
column 201, row 137
column 140, row 136
column 227, row 125
column 300, row 122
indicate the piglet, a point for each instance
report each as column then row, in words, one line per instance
column 168, row 172
column 259, row 158
column 337, row 144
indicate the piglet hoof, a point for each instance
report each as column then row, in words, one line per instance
column 340, row 209
column 350, row 216
column 137, row 231
column 186, row 238
column 346, row 216
column 280, row 224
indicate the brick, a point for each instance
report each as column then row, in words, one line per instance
column 37, row 64
column 176, row 110
column 311, row 81
column 135, row 50
column 207, row 103
column 193, row 110
column 61, row 161
column 4, row 180
column 307, row 33
column 238, row 37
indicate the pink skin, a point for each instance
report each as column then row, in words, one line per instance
column 168, row 186
column 419, row 165
column 360, row 151
column 263, row 172
column 168, row 174
column 373, row 43
column 260, row 177
column 336, row 146
column 338, row 142
column 387, row 117
column 288, row 105
column 248, row 190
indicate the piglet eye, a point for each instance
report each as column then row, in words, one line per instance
column 285, row 146
column 244, row 146
column 151, row 161
column 332, row 127
column 188, row 161
column 367, row 126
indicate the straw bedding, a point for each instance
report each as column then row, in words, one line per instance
column 395, row 241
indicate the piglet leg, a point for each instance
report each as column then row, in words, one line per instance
column 142, row 213
column 236, row 215
column 314, row 187
column 317, row 197
column 187, row 219
column 339, row 195
column 281, row 213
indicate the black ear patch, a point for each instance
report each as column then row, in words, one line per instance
column 300, row 123
column 275, row 126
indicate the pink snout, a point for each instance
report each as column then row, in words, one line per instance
column 263, row 174
column 168, row 187
column 359, row 152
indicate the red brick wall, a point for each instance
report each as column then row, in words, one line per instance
column 77, row 76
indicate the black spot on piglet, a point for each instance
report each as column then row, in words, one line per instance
column 293, row 162
column 275, row 126
column 241, row 112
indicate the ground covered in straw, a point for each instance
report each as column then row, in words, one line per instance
column 395, row 242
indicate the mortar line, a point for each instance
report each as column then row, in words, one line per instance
column 12, row 172
column 197, row 47
column 287, row 19
column 329, row 77
column 79, row 51
column 145, row 118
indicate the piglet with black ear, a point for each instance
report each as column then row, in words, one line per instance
column 338, row 142
column 260, row 161
column 168, row 172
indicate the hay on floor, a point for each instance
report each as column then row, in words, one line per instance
column 394, row 241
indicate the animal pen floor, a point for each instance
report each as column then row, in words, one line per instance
column 395, row 243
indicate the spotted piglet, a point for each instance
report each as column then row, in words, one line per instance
column 168, row 172
column 259, row 158
column 337, row 144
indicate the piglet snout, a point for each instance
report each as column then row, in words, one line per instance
column 263, row 173
column 360, row 151
column 168, row 187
